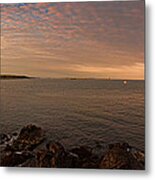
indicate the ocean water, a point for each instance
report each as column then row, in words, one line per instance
column 76, row 112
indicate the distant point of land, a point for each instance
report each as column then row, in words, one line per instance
column 5, row 76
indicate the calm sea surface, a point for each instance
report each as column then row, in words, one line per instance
column 76, row 112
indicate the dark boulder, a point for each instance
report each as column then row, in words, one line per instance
column 119, row 156
column 70, row 160
column 83, row 152
column 55, row 148
column 85, row 157
column 51, row 156
column 138, row 155
column 58, row 153
column 30, row 136
column 55, row 156
column 44, row 158
column 11, row 159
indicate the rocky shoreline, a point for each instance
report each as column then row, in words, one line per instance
column 31, row 148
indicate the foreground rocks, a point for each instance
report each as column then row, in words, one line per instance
column 31, row 149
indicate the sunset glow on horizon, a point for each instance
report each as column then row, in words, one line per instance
column 79, row 39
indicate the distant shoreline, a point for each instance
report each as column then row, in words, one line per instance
column 90, row 79
column 11, row 77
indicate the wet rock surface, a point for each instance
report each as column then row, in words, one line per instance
column 32, row 149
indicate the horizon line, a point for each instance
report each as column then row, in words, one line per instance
column 73, row 78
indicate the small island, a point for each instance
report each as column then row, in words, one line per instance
column 8, row 77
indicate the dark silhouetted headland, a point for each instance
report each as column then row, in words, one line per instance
column 5, row 76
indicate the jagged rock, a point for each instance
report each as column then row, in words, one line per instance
column 44, row 158
column 83, row 152
column 30, row 136
column 71, row 160
column 10, row 158
column 118, row 156
column 138, row 155
column 55, row 147
column 58, row 153
column 56, row 156
column 51, row 156
column 4, row 138
column 85, row 157
column 98, row 150
column 32, row 162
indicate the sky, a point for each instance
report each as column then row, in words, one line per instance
column 79, row 39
